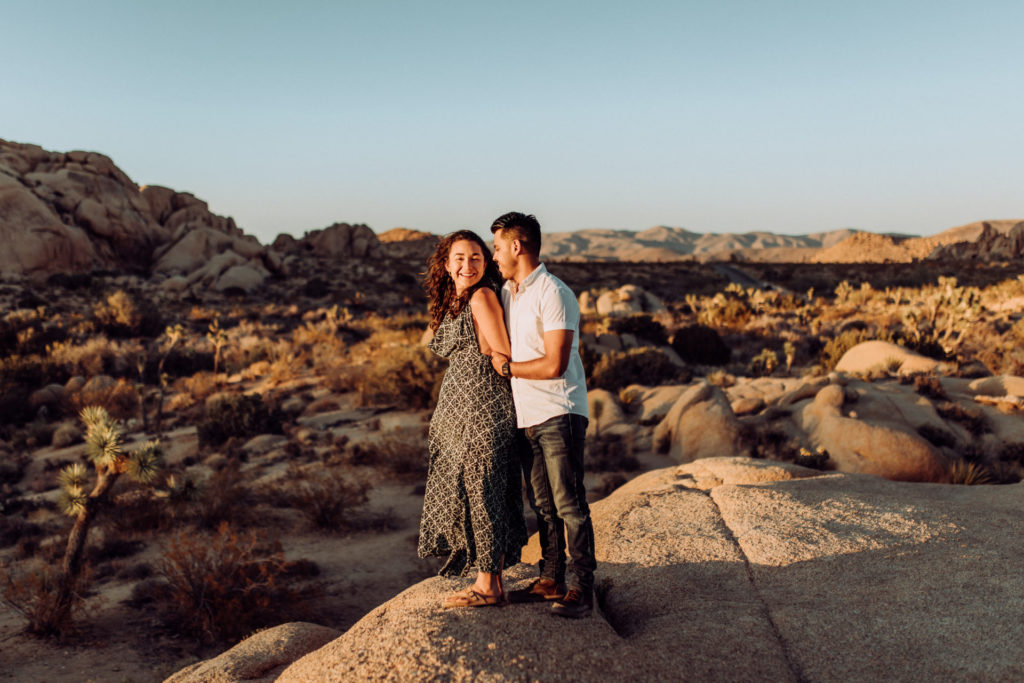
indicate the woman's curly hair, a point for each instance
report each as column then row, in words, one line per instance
column 439, row 285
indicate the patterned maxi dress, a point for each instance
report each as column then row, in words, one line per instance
column 472, row 506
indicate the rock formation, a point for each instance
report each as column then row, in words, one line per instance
column 731, row 569
column 78, row 212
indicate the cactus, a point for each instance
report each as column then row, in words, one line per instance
column 103, row 442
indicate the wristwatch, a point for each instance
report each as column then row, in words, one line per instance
column 506, row 369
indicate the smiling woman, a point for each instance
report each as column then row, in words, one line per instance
column 472, row 505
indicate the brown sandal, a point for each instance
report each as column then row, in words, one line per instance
column 470, row 598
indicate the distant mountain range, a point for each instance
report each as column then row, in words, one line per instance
column 664, row 243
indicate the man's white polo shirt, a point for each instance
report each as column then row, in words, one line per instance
column 541, row 304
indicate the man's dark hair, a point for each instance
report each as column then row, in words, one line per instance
column 522, row 227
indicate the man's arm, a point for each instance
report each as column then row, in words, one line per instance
column 557, row 347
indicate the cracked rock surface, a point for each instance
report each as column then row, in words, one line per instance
column 738, row 569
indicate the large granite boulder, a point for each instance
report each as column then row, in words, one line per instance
column 735, row 569
column 700, row 424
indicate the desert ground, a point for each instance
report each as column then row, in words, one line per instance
column 292, row 426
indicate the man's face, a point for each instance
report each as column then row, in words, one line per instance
column 504, row 254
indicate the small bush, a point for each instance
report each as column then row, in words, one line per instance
column 327, row 498
column 402, row 376
column 125, row 314
column 237, row 415
column 837, row 347
column 610, row 453
column 32, row 593
column 701, row 345
column 969, row 473
column 640, row 326
column 928, row 385
column 221, row 586
column 120, row 399
column 395, row 456
column 971, row 419
column 646, row 366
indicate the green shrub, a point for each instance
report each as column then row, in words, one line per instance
column 701, row 345
column 237, row 415
column 641, row 326
column 644, row 366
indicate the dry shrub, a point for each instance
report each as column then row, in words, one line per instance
column 32, row 593
column 968, row 473
column 395, row 456
column 610, row 453
column 237, row 415
column 937, row 436
column 653, row 367
column 222, row 499
column 401, row 376
column 970, row 418
column 222, row 586
column 199, row 386
column 928, row 385
column 326, row 498
column 95, row 356
column 837, row 347
column 120, row 399
column 125, row 314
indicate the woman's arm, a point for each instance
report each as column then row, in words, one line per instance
column 489, row 321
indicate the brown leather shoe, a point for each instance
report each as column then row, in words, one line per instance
column 539, row 591
column 575, row 605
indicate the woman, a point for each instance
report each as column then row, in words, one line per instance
column 472, row 506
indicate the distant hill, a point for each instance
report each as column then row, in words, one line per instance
column 663, row 243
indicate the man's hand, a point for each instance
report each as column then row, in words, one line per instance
column 497, row 360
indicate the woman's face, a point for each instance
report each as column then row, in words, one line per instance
column 465, row 264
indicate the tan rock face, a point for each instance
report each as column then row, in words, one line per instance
column 701, row 424
column 750, row 564
column 77, row 212
column 260, row 657
column 855, row 445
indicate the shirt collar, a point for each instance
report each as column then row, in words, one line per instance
column 530, row 279
column 537, row 272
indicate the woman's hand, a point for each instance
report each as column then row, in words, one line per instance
column 498, row 359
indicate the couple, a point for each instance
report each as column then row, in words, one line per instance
column 514, row 395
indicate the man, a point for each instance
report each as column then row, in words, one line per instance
column 550, row 393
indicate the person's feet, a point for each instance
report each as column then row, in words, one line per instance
column 575, row 605
column 539, row 591
column 471, row 598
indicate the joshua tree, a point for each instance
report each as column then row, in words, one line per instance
column 218, row 337
column 103, row 448
column 174, row 334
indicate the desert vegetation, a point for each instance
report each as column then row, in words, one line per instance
column 292, row 423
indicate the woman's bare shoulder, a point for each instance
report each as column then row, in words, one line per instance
column 485, row 295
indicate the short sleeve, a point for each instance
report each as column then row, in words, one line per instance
column 559, row 310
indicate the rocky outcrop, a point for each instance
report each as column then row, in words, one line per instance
column 77, row 211
column 875, row 356
column 701, row 424
column 260, row 657
column 991, row 245
column 735, row 569
column 626, row 300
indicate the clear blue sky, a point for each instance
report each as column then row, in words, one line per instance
column 726, row 116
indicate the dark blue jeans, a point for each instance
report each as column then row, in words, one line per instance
column 553, row 466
